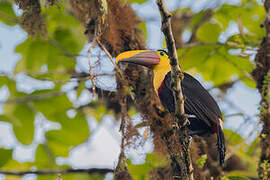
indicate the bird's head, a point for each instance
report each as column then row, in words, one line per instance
column 158, row 61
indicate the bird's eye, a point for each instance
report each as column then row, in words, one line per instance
column 162, row 53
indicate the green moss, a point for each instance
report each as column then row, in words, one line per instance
column 265, row 166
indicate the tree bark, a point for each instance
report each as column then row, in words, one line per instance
column 262, row 77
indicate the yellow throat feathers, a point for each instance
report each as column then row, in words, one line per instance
column 160, row 71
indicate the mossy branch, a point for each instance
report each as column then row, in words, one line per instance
column 176, row 72
column 181, row 163
column 261, row 75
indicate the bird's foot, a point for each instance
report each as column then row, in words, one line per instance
column 182, row 120
column 189, row 142
column 175, row 125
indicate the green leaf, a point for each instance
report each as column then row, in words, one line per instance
column 250, row 172
column 226, row 14
column 9, row 166
column 253, row 146
column 201, row 161
column 216, row 64
column 249, row 82
column 193, row 57
column 82, row 177
column 233, row 137
column 22, row 117
column 236, row 41
column 97, row 112
column 143, row 28
column 237, row 178
column 80, row 88
column 59, row 19
column 43, row 158
column 47, row 177
column 58, row 51
column 7, row 14
column 197, row 18
column 66, row 41
column 10, row 177
column 208, row 32
column 38, row 52
column 140, row 171
column 53, row 108
column 137, row 1
column 34, row 54
column 11, row 84
column 73, row 132
column 4, row 81
column 250, row 13
column 132, row 111
column 5, row 156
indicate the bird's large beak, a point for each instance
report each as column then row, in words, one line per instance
column 141, row 57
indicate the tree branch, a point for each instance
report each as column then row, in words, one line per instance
column 31, row 98
column 176, row 72
column 181, row 163
column 59, row 171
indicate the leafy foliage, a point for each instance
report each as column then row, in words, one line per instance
column 236, row 178
column 218, row 57
column 137, row 1
column 209, row 32
column 7, row 14
column 6, row 156
column 22, row 117
column 201, row 161
column 141, row 171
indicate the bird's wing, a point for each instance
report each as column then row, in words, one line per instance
column 201, row 102
column 198, row 101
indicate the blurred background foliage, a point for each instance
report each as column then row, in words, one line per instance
column 55, row 56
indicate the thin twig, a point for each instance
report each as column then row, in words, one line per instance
column 228, row 44
column 33, row 97
column 118, row 70
column 59, row 171
column 91, row 77
column 110, row 57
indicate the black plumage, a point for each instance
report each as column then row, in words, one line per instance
column 202, row 110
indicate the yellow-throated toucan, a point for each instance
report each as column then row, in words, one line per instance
column 200, row 107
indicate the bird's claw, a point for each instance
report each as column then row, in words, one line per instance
column 187, row 121
column 183, row 120
column 175, row 125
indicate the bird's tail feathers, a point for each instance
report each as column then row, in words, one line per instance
column 221, row 145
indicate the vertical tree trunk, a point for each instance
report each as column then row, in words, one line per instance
column 262, row 77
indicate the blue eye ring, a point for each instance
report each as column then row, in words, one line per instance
column 162, row 53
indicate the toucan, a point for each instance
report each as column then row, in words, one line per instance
column 200, row 107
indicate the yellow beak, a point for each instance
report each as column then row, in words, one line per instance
column 141, row 57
